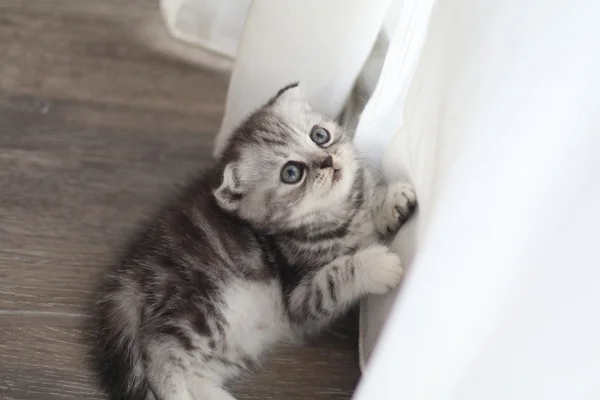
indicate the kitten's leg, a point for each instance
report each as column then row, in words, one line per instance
column 392, row 206
column 165, row 372
column 204, row 389
column 339, row 284
column 172, row 374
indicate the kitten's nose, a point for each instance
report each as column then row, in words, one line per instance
column 327, row 163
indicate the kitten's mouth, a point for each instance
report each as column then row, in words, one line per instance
column 337, row 175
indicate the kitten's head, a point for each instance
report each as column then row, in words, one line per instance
column 286, row 164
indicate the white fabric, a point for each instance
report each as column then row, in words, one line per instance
column 382, row 115
column 381, row 119
column 213, row 25
column 322, row 44
column 501, row 138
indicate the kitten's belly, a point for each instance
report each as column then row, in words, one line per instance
column 256, row 318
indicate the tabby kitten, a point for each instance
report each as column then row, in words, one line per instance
column 281, row 236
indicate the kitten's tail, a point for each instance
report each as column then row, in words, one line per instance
column 116, row 353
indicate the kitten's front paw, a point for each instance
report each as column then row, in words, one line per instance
column 379, row 269
column 399, row 205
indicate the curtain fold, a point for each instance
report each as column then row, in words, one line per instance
column 212, row 25
column 321, row 44
column 501, row 137
column 382, row 116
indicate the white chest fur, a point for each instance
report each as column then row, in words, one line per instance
column 255, row 317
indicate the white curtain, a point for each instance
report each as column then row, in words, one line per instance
column 382, row 116
column 321, row 44
column 500, row 134
column 212, row 25
column 491, row 108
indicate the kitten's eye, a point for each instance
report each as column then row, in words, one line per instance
column 319, row 135
column 291, row 172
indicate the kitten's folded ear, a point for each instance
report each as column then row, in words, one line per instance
column 230, row 193
column 288, row 92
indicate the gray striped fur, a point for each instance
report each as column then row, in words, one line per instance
column 238, row 261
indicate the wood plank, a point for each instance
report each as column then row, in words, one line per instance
column 56, row 52
column 72, row 191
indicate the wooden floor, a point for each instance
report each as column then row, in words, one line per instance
column 96, row 122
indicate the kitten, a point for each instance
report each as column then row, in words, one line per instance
column 280, row 237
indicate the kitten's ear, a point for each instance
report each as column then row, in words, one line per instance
column 286, row 93
column 230, row 193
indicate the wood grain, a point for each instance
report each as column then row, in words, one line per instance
column 97, row 123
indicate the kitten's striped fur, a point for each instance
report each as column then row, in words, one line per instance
column 239, row 261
